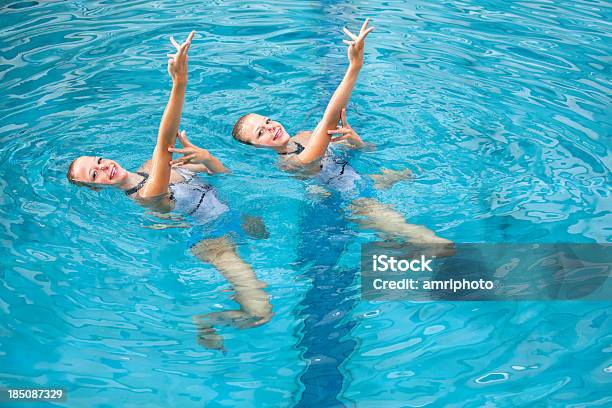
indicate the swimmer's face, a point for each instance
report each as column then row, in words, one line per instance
column 98, row 171
column 262, row 131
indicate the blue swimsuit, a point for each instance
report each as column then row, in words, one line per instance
column 196, row 199
column 337, row 174
column 211, row 217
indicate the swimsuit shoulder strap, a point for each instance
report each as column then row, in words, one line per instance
column 138, row 186
column 299, row 148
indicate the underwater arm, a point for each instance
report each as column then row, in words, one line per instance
column 320, row 139
column 159, row 177
column 195, row 158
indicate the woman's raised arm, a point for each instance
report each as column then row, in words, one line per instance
column 318, row 142
column 159, row 176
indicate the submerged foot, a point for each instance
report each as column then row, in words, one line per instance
column 207, row 336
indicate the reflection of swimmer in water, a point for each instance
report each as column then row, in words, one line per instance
column 163, row 187
column 307, row 152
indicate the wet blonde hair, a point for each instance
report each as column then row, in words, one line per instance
column 238, row 130
column 73, row 180
column 70, row 175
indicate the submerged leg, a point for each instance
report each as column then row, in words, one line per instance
column 388, row 178
column 255, row 308
column 372, row 214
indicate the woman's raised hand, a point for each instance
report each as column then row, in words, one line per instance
column 357, row 43
column 177, row 63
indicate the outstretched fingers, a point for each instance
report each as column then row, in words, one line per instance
column 364, row 34
column 184, row 47
column 182, row 51
column 340, row 131
column 182, row 136
column 365, row 25
column 190, row 37
column 188, row 40
column 339, row 138
column 343, row 118
column 183, row 160
column 174, row 43
column 176, row 150
column 347, row 32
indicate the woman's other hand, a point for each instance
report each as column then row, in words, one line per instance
column 192, row 154
column 347, row 133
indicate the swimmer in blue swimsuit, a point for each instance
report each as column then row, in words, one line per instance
column 308, row 152
column 166, row 185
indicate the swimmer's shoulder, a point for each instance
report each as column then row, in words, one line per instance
column 175, row 177
column 302, row 136
column 162, row 203
column 291, row 162
column 145, row 167
column 286, row 160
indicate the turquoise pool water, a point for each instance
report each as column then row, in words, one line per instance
column 502, row 109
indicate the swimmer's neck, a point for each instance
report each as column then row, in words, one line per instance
column 287, row 148
column 131, row 181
